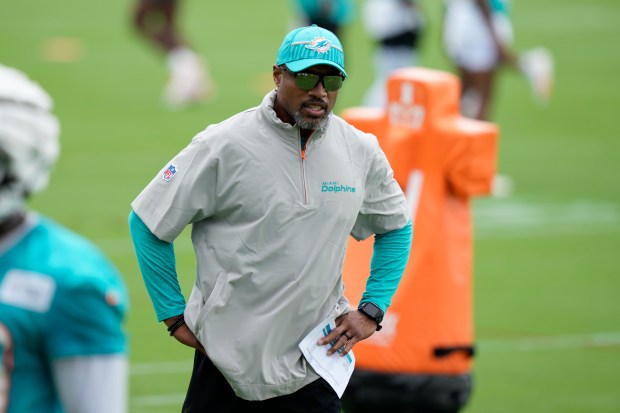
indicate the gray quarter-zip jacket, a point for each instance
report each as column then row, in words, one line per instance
column 270, row 229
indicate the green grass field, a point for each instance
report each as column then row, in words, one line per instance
column 547, row 272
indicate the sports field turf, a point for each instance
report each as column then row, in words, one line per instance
column 547, row 272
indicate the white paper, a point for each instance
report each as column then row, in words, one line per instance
column 334, row 369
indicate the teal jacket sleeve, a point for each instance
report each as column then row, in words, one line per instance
column 158, row 266
column 389, row 259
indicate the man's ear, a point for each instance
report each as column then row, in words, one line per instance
column 277, row 75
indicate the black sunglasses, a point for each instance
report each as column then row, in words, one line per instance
column 308, row 81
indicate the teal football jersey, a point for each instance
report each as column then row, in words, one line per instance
column 59, row 297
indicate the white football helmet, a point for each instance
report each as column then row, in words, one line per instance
column 29, row 144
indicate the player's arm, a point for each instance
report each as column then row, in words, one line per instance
column 158, row 266
column 85, row 340
column 384, row 213
column 92, row 384
column 389, row 259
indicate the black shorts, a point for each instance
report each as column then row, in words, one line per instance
column 209, row 392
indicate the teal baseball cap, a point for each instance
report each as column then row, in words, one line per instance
column 311, row 46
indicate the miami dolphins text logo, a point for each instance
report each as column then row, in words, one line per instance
column 336, row 187
column 318, row 44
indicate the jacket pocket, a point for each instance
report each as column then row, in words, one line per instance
column 220, row 283
column 193, row 307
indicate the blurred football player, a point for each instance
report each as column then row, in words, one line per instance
column 189, row 81
column 396, row 26
column 329, row 14
column 62, row 304
column 478, row 37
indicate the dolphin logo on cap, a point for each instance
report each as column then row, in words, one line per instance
column 318, row 44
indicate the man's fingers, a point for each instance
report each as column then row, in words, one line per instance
column 334, row 335
column 342, row 345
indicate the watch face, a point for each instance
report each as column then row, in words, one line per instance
column 372, row 311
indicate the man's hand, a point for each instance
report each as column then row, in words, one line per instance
column 185, row 336
column 351, row 328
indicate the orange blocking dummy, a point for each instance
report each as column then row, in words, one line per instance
column 441, row 160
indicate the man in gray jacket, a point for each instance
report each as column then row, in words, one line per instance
column 272, row 195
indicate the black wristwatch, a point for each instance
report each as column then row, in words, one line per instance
column 373, row 312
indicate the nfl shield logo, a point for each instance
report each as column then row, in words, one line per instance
column 169, row 172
